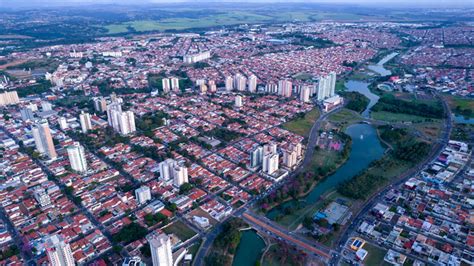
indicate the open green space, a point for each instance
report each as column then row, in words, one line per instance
column 179, row 229
column 375, row 255
column 399, row 117
column 225, row 18
column 345, row 117
column 461, row 105
column 303, row 124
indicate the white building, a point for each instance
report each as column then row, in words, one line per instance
column 229, row 83
column 122, row 122
column 256, row 157
column 142, row 194
column 43, row 139
column 160, row 246
column 174, row 84
column 85, row 121
column 240, row 82
column 166, row 169
column 327, row 86
column 100, row 104
column 63, row 125
column 77, row 157
column 8, row 98
column 46, row 106
column 58, row 251
column 290, row 158
column 252, row 83
column 180, row 174
column 238, row 101
column 332, row 102
column 166, row 85
column 305, row 93
column 270, row 163
column 193, row 58
column 285, row 88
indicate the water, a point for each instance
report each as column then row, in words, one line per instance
column 250, row 249
column 366, row 147
column 459, row 119
column 378, row 68
column 363, row 88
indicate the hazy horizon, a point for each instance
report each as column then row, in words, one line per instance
column 378, row 3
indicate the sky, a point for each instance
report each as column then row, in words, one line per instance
column 414, row 3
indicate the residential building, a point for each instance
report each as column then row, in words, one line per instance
column 142, row 194
column 229, row 83
column 58, row 251
column 180, row 174
column 160, row 246
column 252, row 83
column 256, row 157
column 305, row 94
column 285, row 88
column 77, row 157
column 43, row 139
column 85, row 121
column 238, row 101
column 194, row 58
column 8, row 98
column 327, row 86
column 166, row 85
column 100, row 104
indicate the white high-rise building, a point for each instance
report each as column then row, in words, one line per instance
column 142, row 194
column 43, row 139
column 285, row 88
column 100, row 104
column 122, row 122
column 256, row 157
column 46, row 106
column 238, row 101
column 193, row 58
column 160, row 246
column 212, row 86
column 27, row 114
column 166, row 85
column 166, row 169
column 9, row 97
column 63, row 125
column 229, row 83
column 290, row 158
column 252, row 83
column 59, row 252
column 85, row 121
column 175, row 84
column 180, row 174
column 270, row 163
column 271, row 88
column 327, row 86
column 240, row 82
column 77, row 157
column 270, row 148
column 305, row 93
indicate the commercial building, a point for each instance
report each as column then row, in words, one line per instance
column 58, row 251
column 160, row 246
column 43, row 139
column 77, row 157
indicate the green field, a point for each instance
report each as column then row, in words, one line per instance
column 303, row 125
column 226, row 18
column 458, row 104
column 345, row 117
column 375, row 256
column 397, row 117
column 181, row 230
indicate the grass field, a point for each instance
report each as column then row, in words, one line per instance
column 344, row 118
column 462, row 103
column 397, row 117
column 180, row 230
column 227, row 18
column 375, row 256
column 303, row 126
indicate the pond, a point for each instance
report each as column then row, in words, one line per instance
column 250, row 249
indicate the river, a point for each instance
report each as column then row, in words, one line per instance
column 378, row 68
column 366, row 147
column 363, row 88
column 250, row 249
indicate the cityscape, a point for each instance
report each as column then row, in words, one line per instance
column 253, row 133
